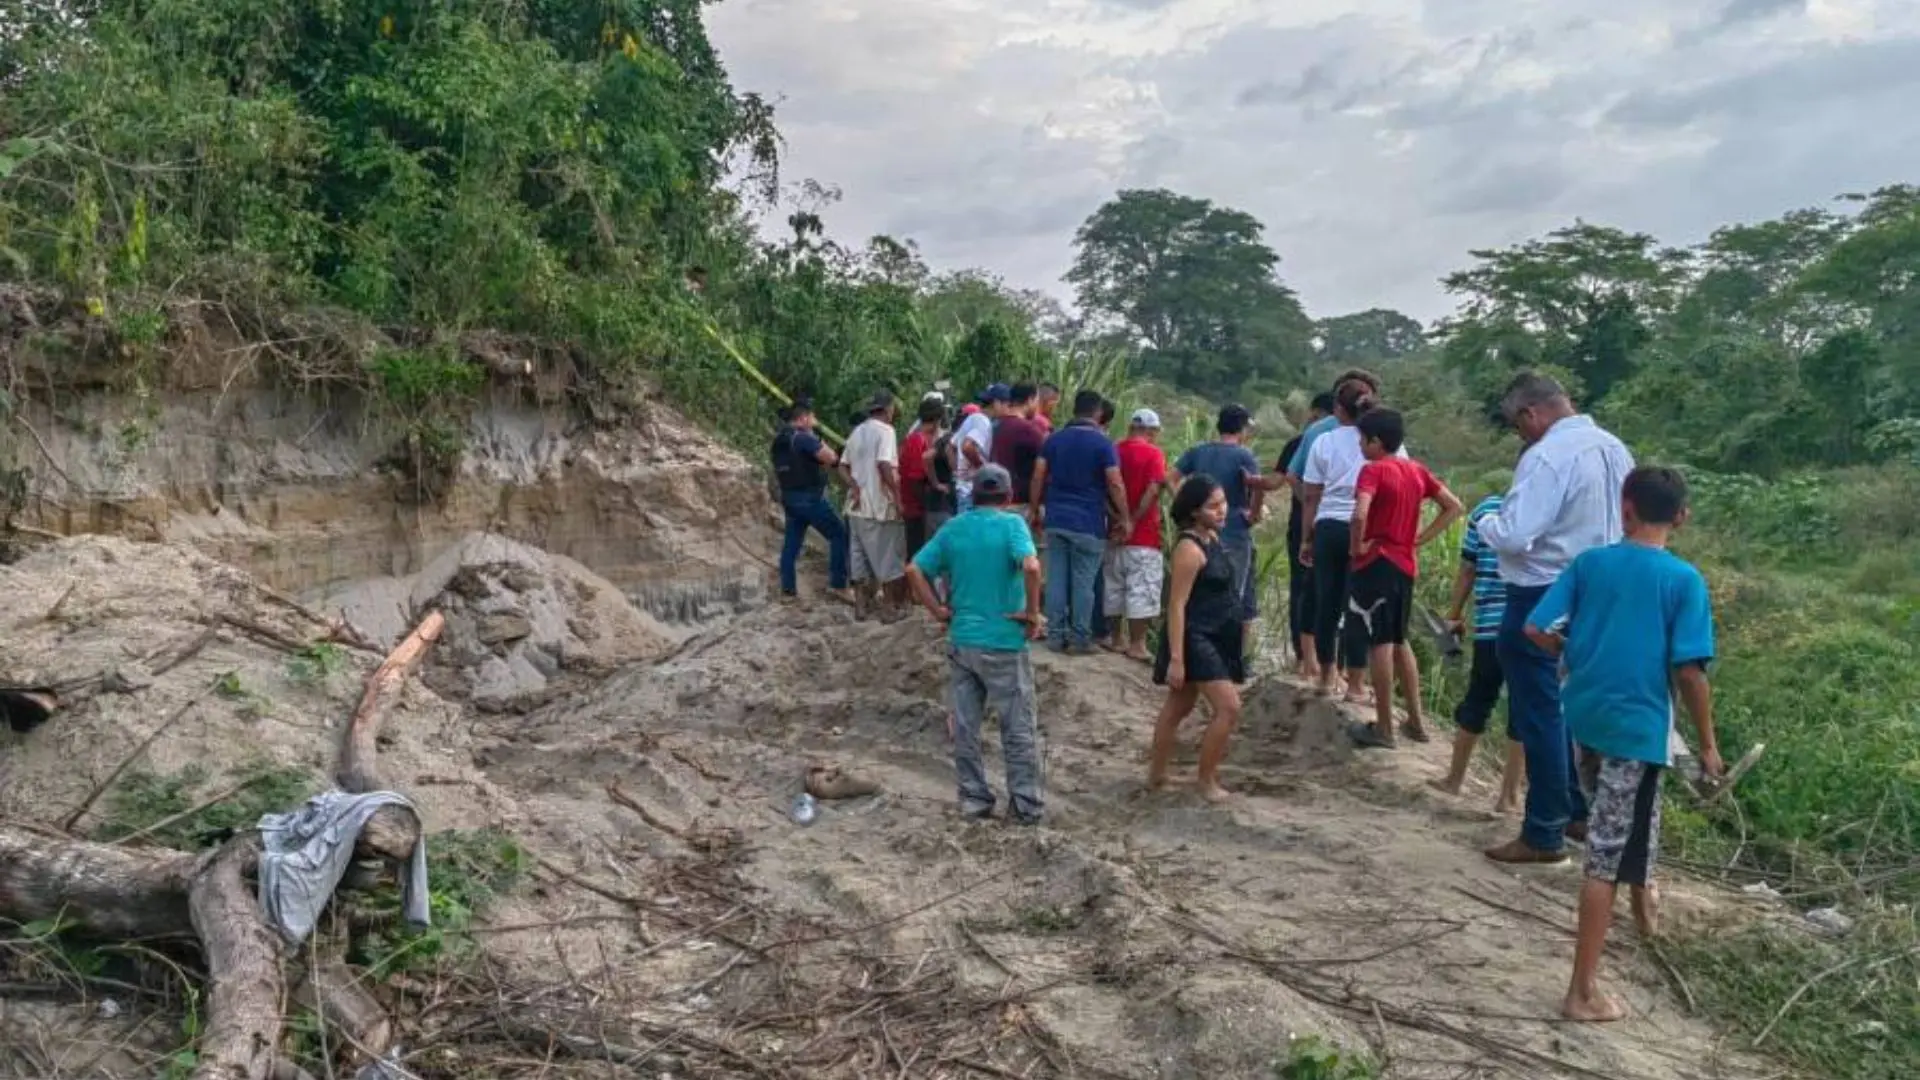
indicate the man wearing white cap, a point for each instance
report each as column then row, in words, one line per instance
column 1135, row 566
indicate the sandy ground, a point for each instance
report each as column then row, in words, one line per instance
column 1132, row 935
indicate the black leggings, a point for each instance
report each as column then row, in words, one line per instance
column 1330, row 554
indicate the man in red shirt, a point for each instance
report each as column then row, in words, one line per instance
column 1135, row 568
column 1386, row 539
column 913, row 472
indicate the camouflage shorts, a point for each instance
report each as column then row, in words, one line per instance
column 1623, row 823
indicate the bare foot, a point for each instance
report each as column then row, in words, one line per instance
column 1600, row 1008
column 1506, row 806
column 1215, row 794
column 1445, row 784
column 1141, row 655
column 1646, row 911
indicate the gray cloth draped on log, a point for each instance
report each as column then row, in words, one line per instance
column 307, row 852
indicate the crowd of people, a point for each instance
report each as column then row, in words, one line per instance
column 1011, row 532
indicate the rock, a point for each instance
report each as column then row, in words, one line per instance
column 495, row 629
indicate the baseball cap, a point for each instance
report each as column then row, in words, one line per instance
column 996, row 392
column 1235, row 419
column 882, row 399
column 992, row 480
column 1146, row 418
column 969, row 409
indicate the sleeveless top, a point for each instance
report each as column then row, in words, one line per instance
column 1212, row 604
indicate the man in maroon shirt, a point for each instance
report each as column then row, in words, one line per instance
column 1017, row 439
column 1384, row 562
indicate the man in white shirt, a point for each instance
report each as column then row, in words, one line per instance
column 879, row 532
column 973, row 442
column 1565, row 499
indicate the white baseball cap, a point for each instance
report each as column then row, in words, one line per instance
column 1146, row 418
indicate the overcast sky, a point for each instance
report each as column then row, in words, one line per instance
column 1378, row 140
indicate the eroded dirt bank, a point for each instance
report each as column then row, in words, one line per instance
column 678, row 923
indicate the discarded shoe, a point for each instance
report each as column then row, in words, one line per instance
column 829, row 782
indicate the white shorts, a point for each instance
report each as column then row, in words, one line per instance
column 1135, row 577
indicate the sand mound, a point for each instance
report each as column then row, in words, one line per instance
column 519, row 621
column 1288, row 724
column 152, row 634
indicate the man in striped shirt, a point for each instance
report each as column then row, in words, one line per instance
column 1479, row 578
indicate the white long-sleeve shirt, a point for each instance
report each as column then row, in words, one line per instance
column 1565, row 499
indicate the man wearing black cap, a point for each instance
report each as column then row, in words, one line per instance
column 1230, row 463
column 879, row 533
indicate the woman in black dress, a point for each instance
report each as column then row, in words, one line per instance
column 1202, row 652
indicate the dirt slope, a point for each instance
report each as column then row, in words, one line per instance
column 1132, row 935
column 1191, row 938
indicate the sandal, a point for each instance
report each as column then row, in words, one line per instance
column 1368, row 737
column 1417, row 734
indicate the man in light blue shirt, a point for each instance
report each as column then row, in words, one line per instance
column 1565, row 500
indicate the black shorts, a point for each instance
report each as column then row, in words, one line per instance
column 1380, row 595
column 1484, row 680
column 1219, row 656
column 916, row 535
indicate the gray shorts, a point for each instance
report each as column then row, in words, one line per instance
column 879, row 549
column 1623, row 819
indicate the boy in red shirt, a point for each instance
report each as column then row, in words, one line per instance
column 1386, row 538
column 1136, row 569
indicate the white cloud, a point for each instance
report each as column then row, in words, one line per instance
column 1378, row 139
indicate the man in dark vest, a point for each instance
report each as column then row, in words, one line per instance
column 801, row 464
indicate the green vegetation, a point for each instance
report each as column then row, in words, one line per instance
column 1313, row 1058
column 471, row 869
column 318, row 662
column 172, row 809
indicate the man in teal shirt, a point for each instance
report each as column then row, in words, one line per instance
column 993, row 573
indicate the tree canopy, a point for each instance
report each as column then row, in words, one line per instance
column 1196, row 287
column 1773, row 345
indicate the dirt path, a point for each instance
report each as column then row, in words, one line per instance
column 1338, row 895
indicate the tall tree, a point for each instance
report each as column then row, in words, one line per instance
column 1367, row 337
column 1196, row 286
column 1583, row 299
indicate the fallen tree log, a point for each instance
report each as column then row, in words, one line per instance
column 111, row 891
column 359, row 742
column 245, row 985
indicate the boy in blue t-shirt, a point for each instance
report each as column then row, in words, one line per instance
column 1479, row 579
column 1633, row 625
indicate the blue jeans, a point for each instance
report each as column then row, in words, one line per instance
column 1533, row 712
column 804, row 509
column 1002, row 680
column 1073, row 569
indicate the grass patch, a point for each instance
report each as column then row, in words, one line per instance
column 471, row 868
column 167, row 809
column 317, row 662
column 1311, row 1057
column 1846, row 1010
